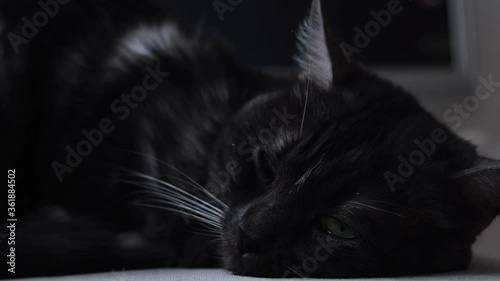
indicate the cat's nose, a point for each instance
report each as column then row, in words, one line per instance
column 246, row 244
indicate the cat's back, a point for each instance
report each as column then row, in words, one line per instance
column 161, row 88
column 102, row 87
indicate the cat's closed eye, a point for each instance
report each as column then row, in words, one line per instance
column 264, row 167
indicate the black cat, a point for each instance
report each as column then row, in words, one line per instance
column 126, row 109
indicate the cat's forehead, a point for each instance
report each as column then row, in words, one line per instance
column 344, row 152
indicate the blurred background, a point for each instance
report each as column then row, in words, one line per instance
column 436, row 49
column 263, row 32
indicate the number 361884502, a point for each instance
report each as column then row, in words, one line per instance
column 11, row 183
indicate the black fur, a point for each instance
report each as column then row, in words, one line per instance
column 205, row 119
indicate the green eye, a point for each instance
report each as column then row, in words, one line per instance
column 337, row 228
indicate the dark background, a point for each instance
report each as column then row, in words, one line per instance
column 263, row 32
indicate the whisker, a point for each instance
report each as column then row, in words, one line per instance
column 144, row 176
column 187, row 208
column 305, row 107
column 186, row 205
column 181, row 201
column 184, row 181
column 180, row 172
column 378, row 209
column 300, row 275
column 181, row 194
column 392, row 204
column 174, row 197
column 200, row 219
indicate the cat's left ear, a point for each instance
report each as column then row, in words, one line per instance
column 320, row 57
column 481, row 185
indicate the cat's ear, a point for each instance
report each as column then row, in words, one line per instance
column 481, row 185
column 320, row 57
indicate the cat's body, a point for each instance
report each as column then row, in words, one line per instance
column 277, row 156
column 76, row 75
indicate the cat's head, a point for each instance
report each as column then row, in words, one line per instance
column 343, row 174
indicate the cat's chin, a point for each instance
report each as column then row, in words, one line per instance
column 248, row 262
column 251, row 264
column 245, row 269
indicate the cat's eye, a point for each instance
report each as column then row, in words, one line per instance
column 264, row 166
column 337, row 228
